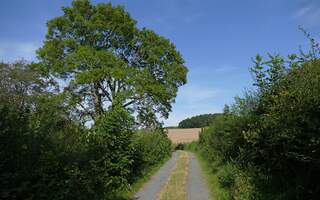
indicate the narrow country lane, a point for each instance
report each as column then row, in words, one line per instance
column 195, row 187
column 151, row 189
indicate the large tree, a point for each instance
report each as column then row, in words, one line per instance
column 106, row 61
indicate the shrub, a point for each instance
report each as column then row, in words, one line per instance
column 34, row 163
column 226, row 176
column 109, row 153
column 271, row 136
column 284, row 139
column 150, row 148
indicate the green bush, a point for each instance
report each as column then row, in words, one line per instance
column 35, row 163
column 226, row 176
column 109, row 153
column 70, row 162
column 150, row 148
column 271, row 135
column 45, row 153
column 284, row 140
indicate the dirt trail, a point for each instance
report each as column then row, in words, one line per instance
column 196, row 187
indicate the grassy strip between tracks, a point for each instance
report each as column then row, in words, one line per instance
column 175, row 187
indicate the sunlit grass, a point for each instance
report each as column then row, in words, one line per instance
column 175, row 188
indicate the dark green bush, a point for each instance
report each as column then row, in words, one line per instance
column 271, row 136
column 284, row 141
column 36, row 163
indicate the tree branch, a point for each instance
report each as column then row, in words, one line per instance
column 97, row 100
column 129, row 103
column 106, row 93
column 86, row 111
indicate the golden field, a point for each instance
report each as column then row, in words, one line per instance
column 183, row 135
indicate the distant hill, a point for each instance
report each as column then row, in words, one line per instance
column 198, row 121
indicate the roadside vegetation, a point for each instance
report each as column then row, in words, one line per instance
column 81, row 123
column 267, row 145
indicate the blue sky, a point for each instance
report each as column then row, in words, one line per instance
column 217, row 39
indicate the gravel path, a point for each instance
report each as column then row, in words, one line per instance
column 150, row 190
column 196, row 187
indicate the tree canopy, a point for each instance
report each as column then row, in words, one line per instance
column 104, row 60
column 199, row 121
column 20, row 83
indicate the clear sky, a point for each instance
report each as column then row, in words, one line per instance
column 217, row 39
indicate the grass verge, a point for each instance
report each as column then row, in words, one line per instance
column 175, row 187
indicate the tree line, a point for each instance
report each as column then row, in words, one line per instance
column 72, row 123
column 198, row 121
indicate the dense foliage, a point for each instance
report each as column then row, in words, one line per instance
column 46, row 155
column 198, row 121
column 95, row 54
column 106, row 61
column 150, row 147
column 268, row 146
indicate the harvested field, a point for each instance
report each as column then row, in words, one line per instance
column 183, row 135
